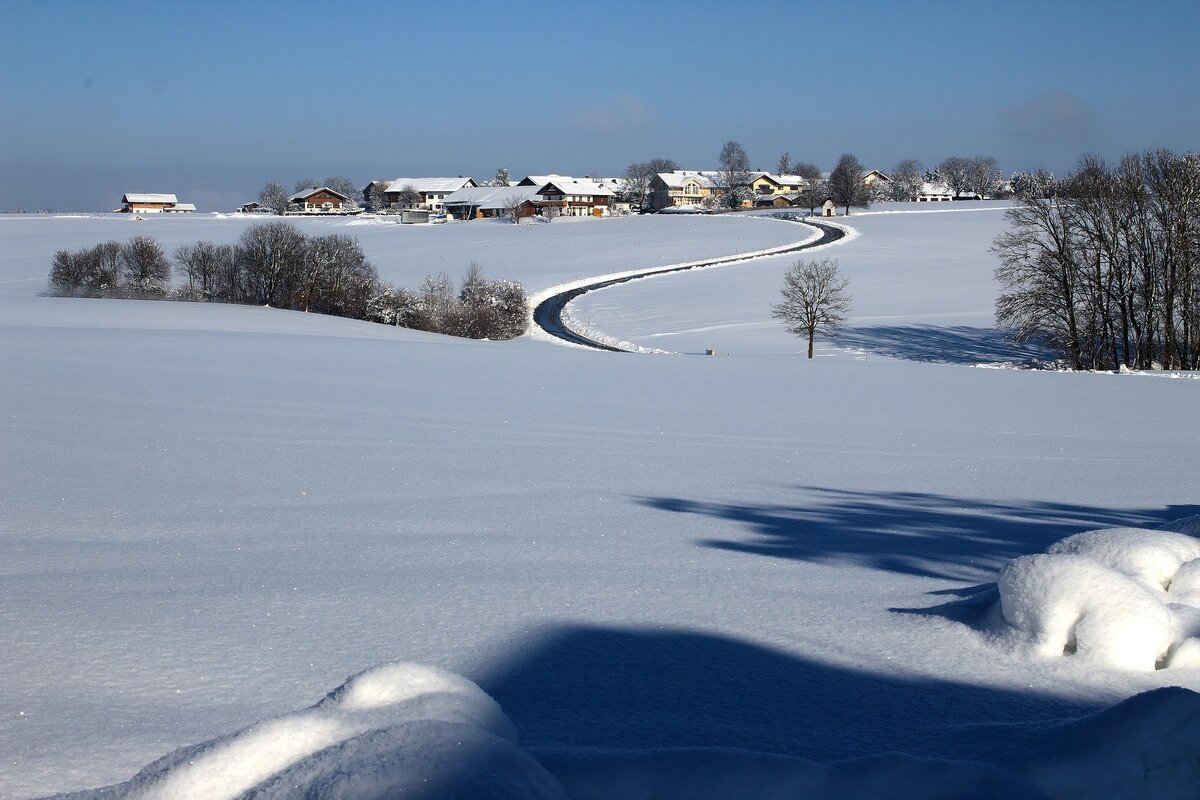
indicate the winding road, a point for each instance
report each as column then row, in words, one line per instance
column 548, row 313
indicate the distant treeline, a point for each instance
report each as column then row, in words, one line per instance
column 274, row 264
column 1104, row 264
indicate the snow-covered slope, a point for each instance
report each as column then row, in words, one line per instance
column 210, row 515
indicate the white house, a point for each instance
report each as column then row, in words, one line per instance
column 681, row 188
column 433, row 191
column 574, row 197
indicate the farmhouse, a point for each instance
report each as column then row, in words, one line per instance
column 152, row 203
column 433, row 191
column 318, row 200
column 574, row 197
column 875, row 176
column 479, row 202
column 680, row 188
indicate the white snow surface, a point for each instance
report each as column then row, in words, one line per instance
column 209, row 515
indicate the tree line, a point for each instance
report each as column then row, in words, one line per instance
column 1104, row 264
column 274, row 264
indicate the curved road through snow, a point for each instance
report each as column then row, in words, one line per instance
column 548, row 314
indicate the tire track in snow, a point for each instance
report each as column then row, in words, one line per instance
column 547, row 315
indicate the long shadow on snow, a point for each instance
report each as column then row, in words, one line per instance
column 625, row 688
column 931, row 535
column 949, row 345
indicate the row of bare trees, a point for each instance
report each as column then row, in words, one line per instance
column 275, row 264
column 137, row 268
column 1104, row 265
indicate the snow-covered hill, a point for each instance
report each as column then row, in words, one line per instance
column 211, row 515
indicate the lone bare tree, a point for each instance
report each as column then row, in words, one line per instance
column 815, row 299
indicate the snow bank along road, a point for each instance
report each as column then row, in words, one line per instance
column 547, row 315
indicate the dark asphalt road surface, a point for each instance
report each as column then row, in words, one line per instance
column 548, row 314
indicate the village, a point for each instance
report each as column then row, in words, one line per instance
column 546, row 197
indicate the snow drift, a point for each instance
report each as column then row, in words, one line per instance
column 1122, row 597
column 397, row 730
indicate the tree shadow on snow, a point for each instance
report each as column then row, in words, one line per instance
column 624, row 688
column 942, row 345
column 914, row 533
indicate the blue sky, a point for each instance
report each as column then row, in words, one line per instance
column 211, row 100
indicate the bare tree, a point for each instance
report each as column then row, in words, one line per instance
column 907, row 180
column 956, row 173
column 270, row 256
column 637, row 178
column 983, row 176
column 200, row 265
column 512, row 208
column 274, row 196
column 376, row 194
column 69, row 270
column 814, row 194
column 734, row 174
column 807, row 171
column 815, row 299
column 436, row 304
column 343, row 185
column 305, row 183
column 408, row 197
column 846, row 185
column 146, row 268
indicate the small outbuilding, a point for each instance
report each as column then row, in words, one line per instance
column 829, row 208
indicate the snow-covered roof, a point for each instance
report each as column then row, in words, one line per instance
column 929, row 189
column 148, row 197
column 307, row 193
column 541, row 180
column 183, row 207
column 430, row 185
column 781, row 179
column 676, row 179
column 576, row 186
column 490, row 197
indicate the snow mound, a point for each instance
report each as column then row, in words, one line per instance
column 1188, row 525
column 1122, row 597
column 1144, row 746
column 707, row 773
column 399, row 730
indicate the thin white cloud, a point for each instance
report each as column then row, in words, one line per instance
column 623, row 112
column 1053, row 116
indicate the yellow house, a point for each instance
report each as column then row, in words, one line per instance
column 764, row 183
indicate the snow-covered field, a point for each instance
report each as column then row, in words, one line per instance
column 212, row 516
